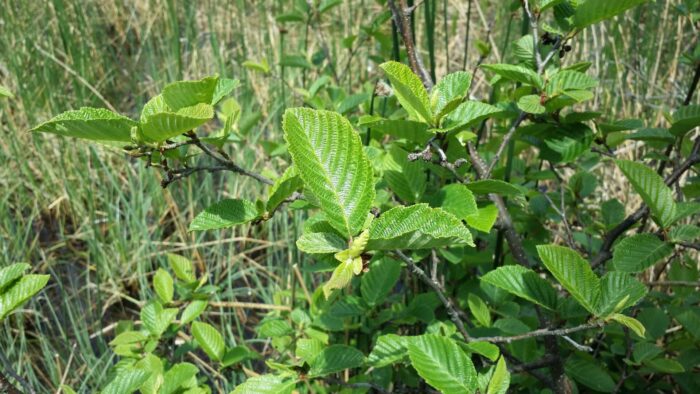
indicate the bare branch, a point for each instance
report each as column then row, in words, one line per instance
column 402, row 20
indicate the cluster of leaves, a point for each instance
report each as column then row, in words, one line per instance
column 410, row 223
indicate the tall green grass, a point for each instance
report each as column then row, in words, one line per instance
column 100, row 223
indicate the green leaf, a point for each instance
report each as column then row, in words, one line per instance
column 225, row 213
column 467, row 114
column 163, row 285
column 524, row 283
column 11, row 273
column 568, row 80
column 209, row 340
column 484, row 219
column 685, row 119
column 177, row 377
column 97, row 124
column 274, row 328
column 320, row 243
column 619, row 290
column 574, row 273
column 182, row 267
column 409, row 90
column 20, row 292
column 531, row 104
column 399, row 128
column 416, row 227
column 329, row 157
column 630, row 322
column 406, row 178
column 334, row 359
column 648, row 134
column 193, row 310
column 308, row 349
column 283, row 188
column 5, row 92
column 487, row 186
column 262, row 66
column 515, row 73
column 342, row 275
column 126, row 382
column 161, row 126
column 156, row 319
column 449, row 92
column 456, row 199
column 590, row 374
column 224, row 87
column 594, row 11
column 486, row 349
column 295, row 61
column 653, row 190
column 380, row 280
column 680, row 233
column 639, row 252
column 479, row 309
column 128, row 338
column 665, row 365
column 183, row 94
column 442, row 364
column 500, row 380
column 389, row 349
column 266, row 384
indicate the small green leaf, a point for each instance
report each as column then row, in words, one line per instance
column 266, row 384
column 97, row 124
column 456, row 199
column 163, row 285
column 680, row 233
column 568, row 80
column 283, row 188
column 653, row 190
column 531, row 104
column 442, row 364
column 406, row 178
column 479, row 309
column 574, row 273
column 500, row 380
column 11, row 273
column 639, row 252
column 389, row 349
column 619, row 290
column 685, row 119
column 416, row 227
column 308, row 349
column 449, row 92
column 20, row 292
column 128, row 338
column 380, row 280
column 209, row 340
column 182, row 267
column 484, row 219
column 181, row 94
column 342, row 275
column 320, row 243
column 523, row 282
column 156, row 319
column 515, row 73
column 5, row 92
column 409, row 90
column 193, row 310
column 468, row 114
column 224, row 214
column 161, row 126
column 630, row 322
column 334, row 359
column 126, row 382
column 274, row 328
column 177, row 377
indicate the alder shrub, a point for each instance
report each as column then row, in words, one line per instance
column 453, row 260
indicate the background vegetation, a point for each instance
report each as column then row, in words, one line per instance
column 101, row 225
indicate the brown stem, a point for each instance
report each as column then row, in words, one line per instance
column 402, row 20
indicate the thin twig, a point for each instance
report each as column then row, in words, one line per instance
column 451, row 310
column 402, row 19
column 538, row 333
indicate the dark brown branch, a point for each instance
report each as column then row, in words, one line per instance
column 539, row 333
column 451, row 310
column 402, row 19
column 605, row 252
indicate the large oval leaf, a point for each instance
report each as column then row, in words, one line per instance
column 416, row 227
column 442, row 364
column 653, row 190
column 329, row 157
column 97, row 124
